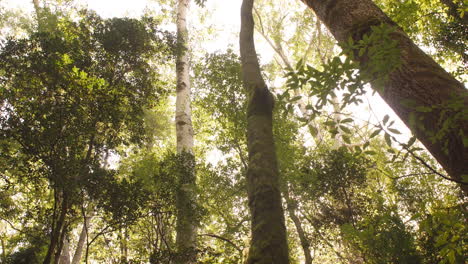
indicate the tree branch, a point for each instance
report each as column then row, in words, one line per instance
column 225, row 240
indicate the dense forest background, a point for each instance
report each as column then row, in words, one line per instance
column 161, row 137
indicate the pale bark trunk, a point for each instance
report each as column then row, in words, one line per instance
column 4, row 259
column 39, row 15
column 184, row 128
column 419, row 79
column 81, row 241
column 269, row 243
column 186, row 227
column 305, row 243
column 123, row 237
column 58, row 251
column 36, row 5
column 65, row 255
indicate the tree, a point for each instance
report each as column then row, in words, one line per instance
column 268, row 244
column 186, row 196
column 87, row 82
column 429, row 100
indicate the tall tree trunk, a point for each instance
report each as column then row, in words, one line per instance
column 81, row 241
column 186, row 227
column 269, row 243
column 419, row 79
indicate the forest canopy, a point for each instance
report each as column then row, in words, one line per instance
column 247, row 132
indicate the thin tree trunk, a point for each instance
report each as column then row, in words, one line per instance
column 81, row 241
column 57, row 234
column 39, row 15
column 65, row 255
column 36, row 7
column 186, row 226
column 277, row 47
column 419, row 79
column 123, row 245
column 61, row 240
column 269, row 243
column 4, row 259
column 305, row 243
column 338, row 140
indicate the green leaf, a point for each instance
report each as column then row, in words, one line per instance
column 366, row 144
column 346, row 139
column 385, row 119
column 299, row 64
column 296, row 98
column 346, row 120
column 465, row 141
column 345, row 129
column 451, row 256
column 375, row 133
column 313, row 131
column 394, row 131
column 329, row 123
column 361, row 51
column 358, row 149
column 388, row 140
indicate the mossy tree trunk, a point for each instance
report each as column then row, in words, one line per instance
column 186, row 227
column 419, row 80
column 269, row 243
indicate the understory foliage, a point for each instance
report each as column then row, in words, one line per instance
column 87, row 142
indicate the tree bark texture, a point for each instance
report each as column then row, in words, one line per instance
column 269, row 243
column 81, row 241
column 186, row 227
column 58, row 231
column 419, row 80
column 39, row 15
column 65, row 255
